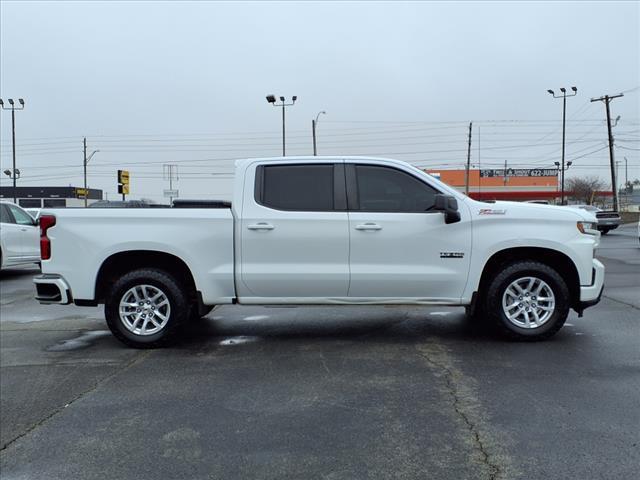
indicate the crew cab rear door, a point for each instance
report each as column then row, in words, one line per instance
column 294, row 231
column 400, row 246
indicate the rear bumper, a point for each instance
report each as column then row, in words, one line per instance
column 609, row 223
column 590, row 295
column 52, row 289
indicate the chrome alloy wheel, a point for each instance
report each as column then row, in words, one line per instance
column 144, row 309
column 528, row 302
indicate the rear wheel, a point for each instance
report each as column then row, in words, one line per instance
column 528, row 301
column 146, row 308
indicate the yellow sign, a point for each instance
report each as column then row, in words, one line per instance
column 82, row 192
column 123, row 176
column 123, row 182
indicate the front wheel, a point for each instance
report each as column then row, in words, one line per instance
column 146, row 308
column 528, row 301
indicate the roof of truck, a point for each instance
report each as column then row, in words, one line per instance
column 320, row 159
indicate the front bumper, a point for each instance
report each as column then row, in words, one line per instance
column 52, row 289
column 590, row 295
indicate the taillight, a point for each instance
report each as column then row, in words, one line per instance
column 46, row 222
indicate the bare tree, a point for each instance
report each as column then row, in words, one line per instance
column 584, row 189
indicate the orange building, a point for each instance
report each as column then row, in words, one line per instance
column 495, row 184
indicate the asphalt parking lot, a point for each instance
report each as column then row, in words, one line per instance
column 331, row 393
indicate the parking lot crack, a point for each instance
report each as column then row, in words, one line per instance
column 621, row 302
column 467, row 410
column 56, row 411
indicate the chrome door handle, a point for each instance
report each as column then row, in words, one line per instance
column 260, row 226
column 368, row 226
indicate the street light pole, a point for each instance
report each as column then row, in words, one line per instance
column 13, row 109
column 314, row 125
column 86, row 160
column 272, row 100
column 564, row 123
column 564, row 169
column 283, row 131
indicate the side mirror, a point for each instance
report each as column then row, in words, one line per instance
column 449, row 206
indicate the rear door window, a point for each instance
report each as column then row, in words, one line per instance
column 296, row 187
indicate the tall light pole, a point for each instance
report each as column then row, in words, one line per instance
column 13, row 109
column 86, row 160
column 314, row 125
column 272, row 100
column 564, row 123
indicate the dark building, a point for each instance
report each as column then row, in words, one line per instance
column 39, row 197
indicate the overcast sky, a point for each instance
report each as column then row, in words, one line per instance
column 150, row 83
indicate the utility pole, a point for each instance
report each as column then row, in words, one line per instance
column 466, row 176
column 84, row 163
column 13, row 108
column 170, row 172
column 626, row 173
column 272, row 100
column 607, row 99
column 479, row 165
column 564, row 123
column 506, row 177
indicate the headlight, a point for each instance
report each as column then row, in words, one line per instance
column 589, row 228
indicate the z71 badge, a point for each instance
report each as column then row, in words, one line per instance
column 451, row 255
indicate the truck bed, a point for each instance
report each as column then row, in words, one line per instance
column 83, row 239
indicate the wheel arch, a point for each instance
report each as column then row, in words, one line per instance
column 552, row 258
column 120, row 263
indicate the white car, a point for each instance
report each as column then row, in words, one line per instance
column 19, row 236
column 324, row 231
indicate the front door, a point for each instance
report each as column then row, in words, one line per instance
column 294, row 232
column 400, row 247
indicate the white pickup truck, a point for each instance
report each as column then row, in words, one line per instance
column 323, row 231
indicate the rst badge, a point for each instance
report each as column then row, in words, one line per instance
column 451, row 254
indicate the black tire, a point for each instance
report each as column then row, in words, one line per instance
column 175, row 295
column 604, row 231
column 511, row 273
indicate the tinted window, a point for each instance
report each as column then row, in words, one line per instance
column 382, row 189
column 298, row 187
column 4, row 215
column 22, row 217
column 29, row 202
column 55, row 202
